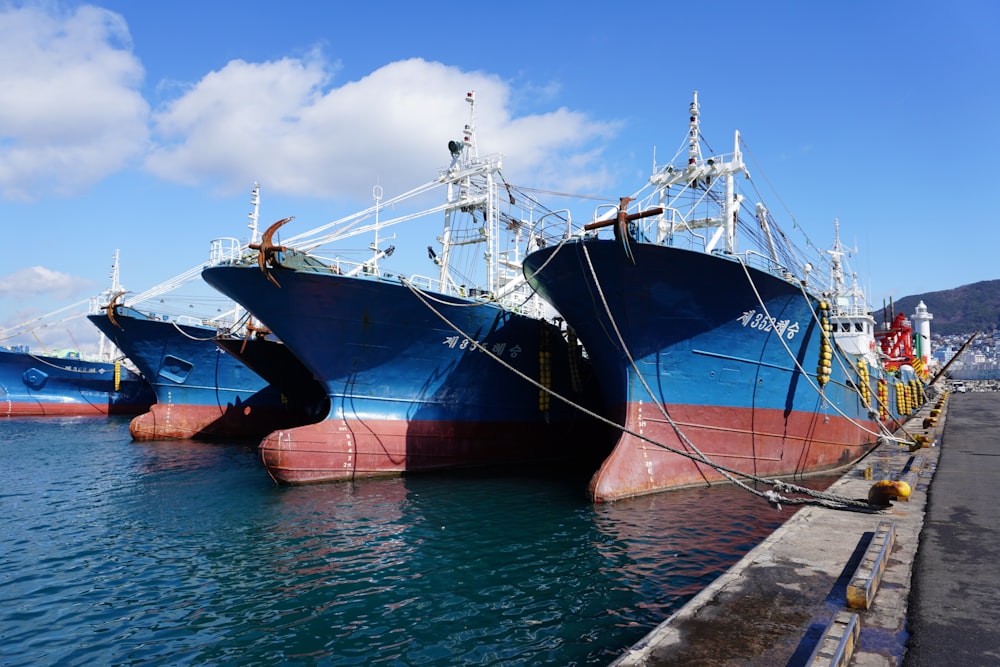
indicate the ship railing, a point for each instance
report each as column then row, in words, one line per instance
column 231, row 251
column 759, row 260
column 519, row 298
column 527, row 303
column 685, row 239
column 225, row 250
column 425, row 283
column 224, row 326
column 673, row 228
column 850, row 311
column 346, row 266
column 551, row 229
column 668, row 229
column 428, row 284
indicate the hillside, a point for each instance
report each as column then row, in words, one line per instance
column 962, row 310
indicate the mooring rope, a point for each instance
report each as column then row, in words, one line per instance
column 795, row 361
column 728, row 473
column 774, row 496
column 884, row 432
column 187, row 335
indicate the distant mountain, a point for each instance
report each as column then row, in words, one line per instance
column 963, row 310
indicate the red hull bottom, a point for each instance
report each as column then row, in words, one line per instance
column 344, row 449
column 761, row 442
column 188, row 422
column 38, row 409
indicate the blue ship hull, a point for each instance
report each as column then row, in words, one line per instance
column 407, row 391
column 686, row 359
column 201, row 391
column 42, row 385
column 274, row 362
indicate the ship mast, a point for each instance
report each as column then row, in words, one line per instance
column 254, row 213
column 254, row 227
column 377, row 196
column 697, row 168
column 370, row 265
column 837, row 267
column 700, row 171
column 694, row 132
column 466, row 195
column 733, row 200
column 104, row 347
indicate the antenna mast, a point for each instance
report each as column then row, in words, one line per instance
column 254, row 213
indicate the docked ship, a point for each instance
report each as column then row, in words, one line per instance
column 720, row 350
column 271, row 359
column 199, row 365
column 422, row 372
column 68, row 384
column 202, row 391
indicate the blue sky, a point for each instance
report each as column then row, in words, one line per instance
column 142, row 126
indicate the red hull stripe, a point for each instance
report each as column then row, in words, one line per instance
column 41, row 409
column 166, row 421
column 766, row 443
column 341, row 449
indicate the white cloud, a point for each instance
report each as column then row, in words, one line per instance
column 37, row 281
column 279, row 123
column 71, row 113
column 70, row 109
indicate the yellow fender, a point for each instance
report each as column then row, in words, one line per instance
column 885, row 491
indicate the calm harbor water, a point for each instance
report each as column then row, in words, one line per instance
column 184, row 553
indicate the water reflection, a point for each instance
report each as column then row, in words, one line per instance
column 154, row 458
column 667, row 547
column 185, row 552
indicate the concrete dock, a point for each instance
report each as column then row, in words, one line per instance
column 914, row 585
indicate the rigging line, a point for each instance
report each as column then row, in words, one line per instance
column 566, row 239
column 772, row 497
column 187, row 335
column 471, row 302
column 788, row 211
column 638, row 373
column 492, row 298
column 884, row 431
column 791, row 355
column 466, row 302
column 837, row 502
column 746, row 149
column 68, row 369
column 39, row 323
column 680, row 434
column 556, row 193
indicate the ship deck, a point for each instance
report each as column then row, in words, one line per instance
column 829, row 588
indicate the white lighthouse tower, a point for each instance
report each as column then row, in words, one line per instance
column 922, row 334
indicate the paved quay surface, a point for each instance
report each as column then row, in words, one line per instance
column 956, row 582
column 936, row 599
